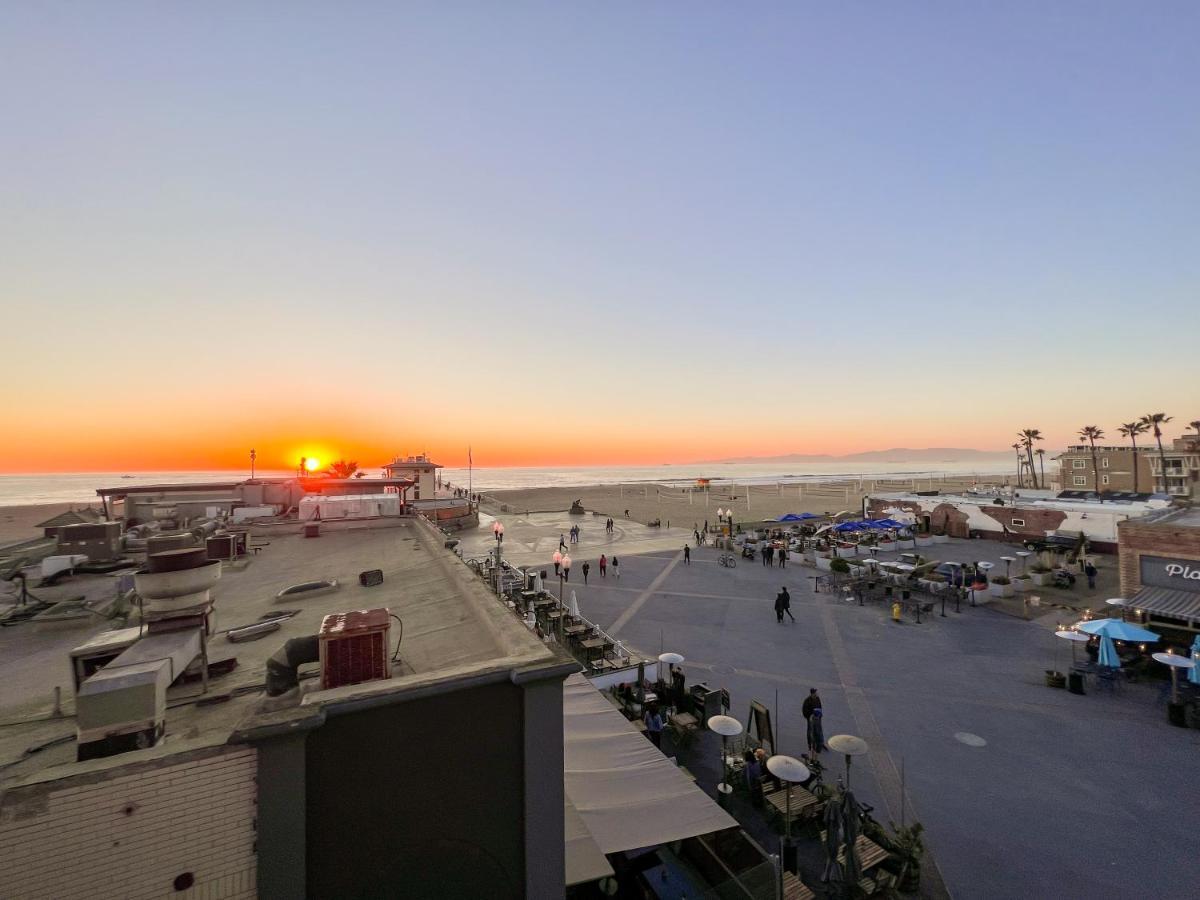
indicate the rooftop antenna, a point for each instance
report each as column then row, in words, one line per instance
column 470, row 474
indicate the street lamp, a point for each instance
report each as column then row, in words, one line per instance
column 564, row 574
column 498, row 531
column 558, row 557
column 253, row 457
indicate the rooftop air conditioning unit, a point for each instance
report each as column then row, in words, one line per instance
column 355, row 647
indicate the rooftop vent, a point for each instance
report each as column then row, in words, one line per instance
column 355, row 647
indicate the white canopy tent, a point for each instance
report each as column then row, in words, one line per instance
column 627, row 793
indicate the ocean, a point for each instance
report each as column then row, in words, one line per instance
column 24, row 490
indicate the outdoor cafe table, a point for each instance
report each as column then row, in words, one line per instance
column 572, row 630
column 596, row 643
column 870, row 854
column 802, row 801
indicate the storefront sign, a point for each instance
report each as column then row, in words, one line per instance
column 1180, row 574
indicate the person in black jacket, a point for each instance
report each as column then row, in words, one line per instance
column 811, row 702
column 783, row 604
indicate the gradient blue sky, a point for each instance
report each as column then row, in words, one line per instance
column 385, row 225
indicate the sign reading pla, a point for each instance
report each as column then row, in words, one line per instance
column 1168, row 572
column 1176, row 570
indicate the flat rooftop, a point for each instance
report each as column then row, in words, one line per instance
column 1186, row 518
column 1128, row 507
column 452, row 628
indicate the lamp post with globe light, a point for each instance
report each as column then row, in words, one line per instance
column 498, row 531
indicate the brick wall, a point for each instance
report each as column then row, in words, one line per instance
column 1144, row 538
column 132, row 831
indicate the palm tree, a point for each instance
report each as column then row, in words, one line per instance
column 1017, row 447
column 1195, row 426
column 1131, row 430
column 1155, row 421
column 342, row 469
column 1028, row 436
column 1090, row 433
column 1042, row 460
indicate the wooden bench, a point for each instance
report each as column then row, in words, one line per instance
column 795, row 889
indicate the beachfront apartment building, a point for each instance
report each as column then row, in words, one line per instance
column 1182, row 460
column 1116, row 466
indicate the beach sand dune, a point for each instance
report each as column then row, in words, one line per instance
column 685, row 507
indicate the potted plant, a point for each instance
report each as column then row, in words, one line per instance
column 1021, row 582
column 906, row 542
column 910, row 848
column 840, row 566
column 940, row 537
column 1055, row 679
column 845, row 549
column 823, row 559
column 1040, row 575
column 924, row 540
column 1001, row 586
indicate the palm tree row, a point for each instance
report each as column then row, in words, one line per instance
column 1151, row 422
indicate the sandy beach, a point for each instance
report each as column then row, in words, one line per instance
column 682, row 506
column 19, row 523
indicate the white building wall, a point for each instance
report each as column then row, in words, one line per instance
column 131, row 832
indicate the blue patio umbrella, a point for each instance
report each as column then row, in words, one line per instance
column 793, row 517
column 1117, row 630
column 1108, row 653
column 848, row 526
column 1194, row 671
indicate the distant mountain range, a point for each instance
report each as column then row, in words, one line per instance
column 896, row 454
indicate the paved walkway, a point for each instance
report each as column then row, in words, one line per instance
column 1022, row 789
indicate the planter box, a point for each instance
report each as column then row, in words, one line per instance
column 907, row 545
column 941, row 538
column 1041, row 579
column 925, row 540
column 887, row 546
column 846, row 552
column 1021, row 584
column 1000, row 590
column 823, row 563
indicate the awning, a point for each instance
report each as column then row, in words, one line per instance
column 1167, row 602
column 626, row 792
column 585, row 862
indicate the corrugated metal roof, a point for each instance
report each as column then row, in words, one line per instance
column 1168, row 602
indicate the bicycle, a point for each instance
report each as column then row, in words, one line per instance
column 727, row 560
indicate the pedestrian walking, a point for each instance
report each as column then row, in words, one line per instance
column 587, row 567
column 654, row 725
column 783, row 604
column 603, row 565
column 1090, row 571
column 783, row 555
column 616, row 564
column 811, row 702
column 696, row 535
column 687, row 555
column 816, row 731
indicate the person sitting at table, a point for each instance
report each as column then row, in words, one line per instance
column 753, row 770
column 654, row 725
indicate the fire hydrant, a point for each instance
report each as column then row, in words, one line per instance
column 895, row 612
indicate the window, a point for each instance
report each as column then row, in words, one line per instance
column 1078, row 464
column 1018, row 523
column 1080, row 481
column 1104, row 462
column 1104, row 479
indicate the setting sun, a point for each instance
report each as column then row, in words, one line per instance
column 312, row 463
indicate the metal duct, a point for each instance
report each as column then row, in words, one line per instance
column 284, row 663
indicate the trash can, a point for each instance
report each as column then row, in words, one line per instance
column 1075, row 683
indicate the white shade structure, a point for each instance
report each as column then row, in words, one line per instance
column 1176, row 661
column 574, row 607
column 788, row 768
column 726, row 727
column 849, row 746
column 671, row 659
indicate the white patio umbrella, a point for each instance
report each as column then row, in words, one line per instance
column 573, row 609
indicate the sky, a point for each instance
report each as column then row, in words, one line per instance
column 590, row 233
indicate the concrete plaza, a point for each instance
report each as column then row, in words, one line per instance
column 1023, row 790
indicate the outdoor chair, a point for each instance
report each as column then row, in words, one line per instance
column 1107, row 678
